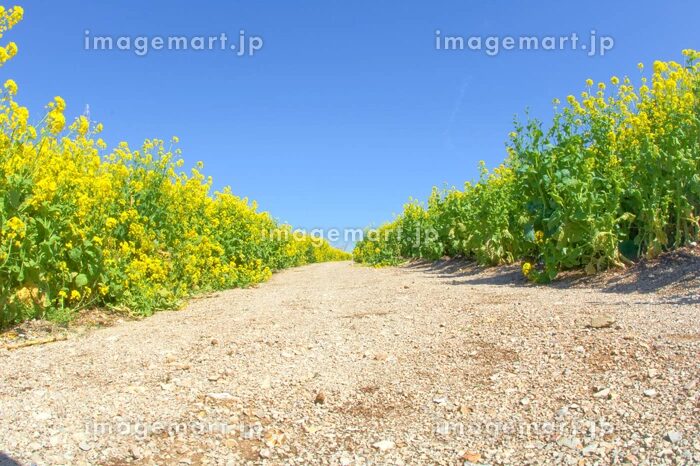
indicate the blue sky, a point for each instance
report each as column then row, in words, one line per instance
column 348, row 110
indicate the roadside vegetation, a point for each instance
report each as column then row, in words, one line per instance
column 128, row 229
column 615, row 176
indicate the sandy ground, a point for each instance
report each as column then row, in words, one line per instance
column 343, row 364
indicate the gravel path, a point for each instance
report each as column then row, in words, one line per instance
column 341, row 364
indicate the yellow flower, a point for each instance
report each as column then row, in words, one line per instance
column 56, row 121
column 589, row 82
column 11, row 87
column 83, row 125
column 539, row 236
column 527, row 268
column 17, row 227
column 60, row 103
column 11, row 49
column 615, row 80
column 24, row 296
column 16, row 15
column 75, row 295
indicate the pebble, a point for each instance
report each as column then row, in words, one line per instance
column 85, row 446
column 650, row 393
column 220, row 396
column 589, row 449
column 602, row 321
column 569, row 442
column 673, row 436
column 471, row 457
column 136, row 452
column 42, row 416
column 384, row 445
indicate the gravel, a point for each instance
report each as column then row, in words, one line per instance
column 342, row 364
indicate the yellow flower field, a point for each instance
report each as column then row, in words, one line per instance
column 614, row 177
column 126, row 229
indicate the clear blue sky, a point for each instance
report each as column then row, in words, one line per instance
column 348, row 110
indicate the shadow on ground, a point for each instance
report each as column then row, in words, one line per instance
column 674, row 275
column 7, row 461
column 466, row 272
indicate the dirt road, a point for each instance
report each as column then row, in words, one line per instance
column 341, row 364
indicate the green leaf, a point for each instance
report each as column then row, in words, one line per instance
column 81, row 280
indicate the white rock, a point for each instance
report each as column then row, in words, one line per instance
column 650, row 392
column 85, row 446
column 42, row 415
column 136, row 452
column 570, row 442
column 602, row 321
column 589, row 449
column 384, row 445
